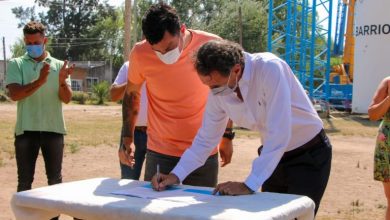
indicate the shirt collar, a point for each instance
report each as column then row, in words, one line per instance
column 246, row 74
column 47, row 58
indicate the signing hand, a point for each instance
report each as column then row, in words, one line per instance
column 232, row 188
column 65, row 71
column 44, row 73
column 162, row 181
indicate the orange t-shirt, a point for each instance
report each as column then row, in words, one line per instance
column 176, row 96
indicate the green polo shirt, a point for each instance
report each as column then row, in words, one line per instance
column 41, row 111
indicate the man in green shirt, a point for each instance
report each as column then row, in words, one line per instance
column 39, row 83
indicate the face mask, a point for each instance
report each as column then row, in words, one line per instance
column 171, row 56
column 225, row 89
column 35, row 51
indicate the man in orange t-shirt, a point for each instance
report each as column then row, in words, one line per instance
column 176, row 97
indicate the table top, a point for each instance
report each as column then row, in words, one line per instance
column 93, row 199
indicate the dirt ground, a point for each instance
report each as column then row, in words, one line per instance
column 351, row 191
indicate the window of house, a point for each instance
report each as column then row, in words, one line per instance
column 91, row 81
column 77, row 85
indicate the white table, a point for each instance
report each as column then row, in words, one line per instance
column 92, row 199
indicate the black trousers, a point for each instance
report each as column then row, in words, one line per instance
column 27, row 147
column 206, row 175
column 303, row 171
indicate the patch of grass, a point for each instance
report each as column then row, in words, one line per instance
column 357, row 206
column 345, row 124
column 86, row 125
column 74, row 148
column 381, row 206
column 351, row 125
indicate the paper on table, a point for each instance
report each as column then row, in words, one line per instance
column 173, row 193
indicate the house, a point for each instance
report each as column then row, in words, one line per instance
column 89, row 73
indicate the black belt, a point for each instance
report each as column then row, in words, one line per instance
column 314, row 143
column 141, row 128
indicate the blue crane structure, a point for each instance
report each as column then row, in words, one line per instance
column 303, row 40
column 338, row 46
column 301, row 37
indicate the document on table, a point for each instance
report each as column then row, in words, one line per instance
column 173, row 193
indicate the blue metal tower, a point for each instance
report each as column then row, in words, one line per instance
column 300, row 36
column 338, row 47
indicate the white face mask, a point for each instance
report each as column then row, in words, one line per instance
column 171, row 56
column 225, row 89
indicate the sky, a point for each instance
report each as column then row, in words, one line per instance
column 9, row 24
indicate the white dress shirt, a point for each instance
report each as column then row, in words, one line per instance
column 120, row 79
column 274, row 103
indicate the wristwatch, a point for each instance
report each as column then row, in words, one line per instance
column 229, row 135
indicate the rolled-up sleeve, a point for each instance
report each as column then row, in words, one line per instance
column 14, row 74
column 135, row 75
column 277, row 132
column 208, row 136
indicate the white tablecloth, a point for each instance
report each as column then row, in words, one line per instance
column 92, row 199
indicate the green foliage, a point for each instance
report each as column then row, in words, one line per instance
column 74, row 148
column 111, row 29
column 254, row 24
column 221, row 17
column 336, row 61
column 18, row 48
column 3, row 96
column 71, row 34
column 101, row 91
column 80, row 97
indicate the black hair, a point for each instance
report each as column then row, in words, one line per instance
column 218, row 55
column 158, row 19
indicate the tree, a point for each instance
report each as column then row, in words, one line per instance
column 18, row 48
column 110, row 30
column 70, row 27
column 254, row 21
column 198, row 13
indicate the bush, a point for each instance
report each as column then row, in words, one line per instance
column 3, row 96
column 80, row 97
column 101, row 91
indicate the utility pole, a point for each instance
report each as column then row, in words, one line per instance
column 5, row 63
column 127, row 40
column 135, row 28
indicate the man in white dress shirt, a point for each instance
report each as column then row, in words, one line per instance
column 259, row 92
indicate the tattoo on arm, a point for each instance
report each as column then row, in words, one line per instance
column 130, row 109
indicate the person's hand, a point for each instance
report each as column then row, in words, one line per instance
column 44, row 73
column 126, row 152
column 232, row 188
column 65, row 71
column 226, row 151
column 162, row 181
